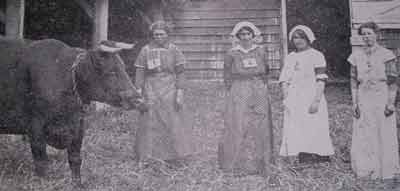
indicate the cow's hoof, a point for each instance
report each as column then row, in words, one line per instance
column 77, row 183
column 41, row 172
column 41, row 169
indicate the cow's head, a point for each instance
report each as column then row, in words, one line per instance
column 105, row 79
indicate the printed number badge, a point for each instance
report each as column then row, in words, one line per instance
column 153, row 63
column 249, row 62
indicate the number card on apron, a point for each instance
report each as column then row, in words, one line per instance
column 249, row 62
column 154, row 62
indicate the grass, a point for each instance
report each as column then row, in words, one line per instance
column 108, row 157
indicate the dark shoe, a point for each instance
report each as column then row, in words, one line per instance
column 305, row 158
column 312, row 158
column 316, row 158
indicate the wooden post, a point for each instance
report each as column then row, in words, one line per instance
column 100, row 32
column 15, row 18
column 284, row 31
column 100, row 21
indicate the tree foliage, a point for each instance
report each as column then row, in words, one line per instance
column 330, row 21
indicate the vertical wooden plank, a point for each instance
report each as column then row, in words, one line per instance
column 15, row 18
column 284, row 31
column 100, row 21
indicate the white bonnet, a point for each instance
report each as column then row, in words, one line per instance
column 305, row 29
column 242, row 24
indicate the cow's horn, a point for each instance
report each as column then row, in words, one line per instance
column 124, row 45
column 109, row 49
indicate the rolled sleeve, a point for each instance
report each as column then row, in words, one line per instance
column 320, row 73
column 320, row 68
column 391, row 71
column 266, row 61
column 285, row 72
column 352, row 60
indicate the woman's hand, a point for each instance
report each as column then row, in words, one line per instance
column 389, row 110
column 179, row 99
column 356, row 111
column 313, row 107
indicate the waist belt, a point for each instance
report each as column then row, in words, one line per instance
column 158, row 72
column 248, row 76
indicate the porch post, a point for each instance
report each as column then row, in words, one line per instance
column 100, row 32
column 100, row 21
column 284, row 31
column 14, row 20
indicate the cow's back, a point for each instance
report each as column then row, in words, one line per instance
column 49, row 63
column 14, row 86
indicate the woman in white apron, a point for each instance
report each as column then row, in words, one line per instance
column 305, row 125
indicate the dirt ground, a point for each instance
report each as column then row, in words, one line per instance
column 108, row 157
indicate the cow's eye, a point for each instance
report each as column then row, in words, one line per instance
column 104, row 55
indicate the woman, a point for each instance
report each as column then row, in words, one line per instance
column 163, row 133
column 374, row 149
column 305, row 124
column 246, row 146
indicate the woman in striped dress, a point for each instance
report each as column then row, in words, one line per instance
column 246, row 146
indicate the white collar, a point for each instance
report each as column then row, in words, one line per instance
column 240, row 48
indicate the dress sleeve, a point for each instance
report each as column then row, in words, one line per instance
column 391, row 69
column 266, row 61
column 286, row 70
column 179, row 68
column 228, row 61
column 320, row 67
column 352, row 59
column 140, row 65
column 353, row 66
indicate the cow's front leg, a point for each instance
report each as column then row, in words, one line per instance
column 38, row 146
column 74, row 153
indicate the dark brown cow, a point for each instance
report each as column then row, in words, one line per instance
column 46, row 85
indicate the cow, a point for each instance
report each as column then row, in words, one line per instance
column 45, row 85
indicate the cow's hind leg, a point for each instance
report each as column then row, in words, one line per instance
column 74, row 153
column 38, row 146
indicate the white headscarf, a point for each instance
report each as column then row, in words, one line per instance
column 240, row 25
column 160, row 24
column 305, row 29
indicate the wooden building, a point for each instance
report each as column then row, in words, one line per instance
column 386, row 13
column 202, row 28
column 13, row 17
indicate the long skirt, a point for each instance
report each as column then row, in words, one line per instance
column 374, row 149
column 163, row 132
column 302, row 131
column 247, row 143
